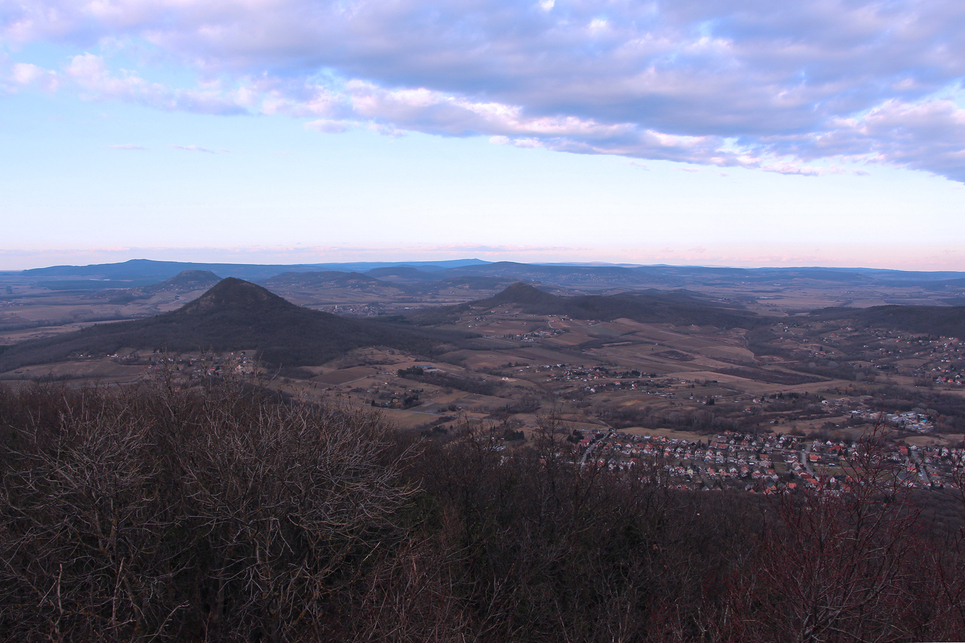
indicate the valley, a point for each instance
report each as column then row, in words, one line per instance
column 646, row 373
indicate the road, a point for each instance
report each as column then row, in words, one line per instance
column 595, row 444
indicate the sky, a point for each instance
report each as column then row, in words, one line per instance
column 694, row 132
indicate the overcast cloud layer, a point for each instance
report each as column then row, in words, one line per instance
column 798, row 87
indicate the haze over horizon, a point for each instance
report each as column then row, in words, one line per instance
column 291, row 131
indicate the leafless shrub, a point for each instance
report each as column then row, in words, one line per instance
column 846, row 564
column 413, row 597
column 152, row 513
column 220, row 514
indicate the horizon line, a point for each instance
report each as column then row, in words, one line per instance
column 477, row 261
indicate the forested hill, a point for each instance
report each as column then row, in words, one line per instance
column 931, row 320
column 328, row 278
column 652, row 306
column 233, row 315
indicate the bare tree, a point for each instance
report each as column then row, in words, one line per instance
column 152, row 513
column 836, row 564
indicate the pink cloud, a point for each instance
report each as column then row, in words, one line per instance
column 790, row 88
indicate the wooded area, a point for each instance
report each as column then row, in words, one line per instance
column 227, row 514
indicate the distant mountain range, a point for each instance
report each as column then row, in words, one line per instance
column 235, row 315
column 142, row 272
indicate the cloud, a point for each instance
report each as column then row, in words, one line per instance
column 784, row 87
column 26, row 74
column 15, row 77
column 126, row 147
column 326, row 126
column 90, row 74
column 196, row 148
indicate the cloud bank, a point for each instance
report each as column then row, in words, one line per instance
column 786, row 87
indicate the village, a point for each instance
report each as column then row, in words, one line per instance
column 765, row 462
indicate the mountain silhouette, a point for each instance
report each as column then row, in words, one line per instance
column 237, row 298
column 525, row 295
column 234, row 315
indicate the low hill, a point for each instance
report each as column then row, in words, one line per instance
column 459, row 284
column 406, row 274
column 185, row 281
column 652, row 306
column 530, row 297
column 931, row 320
column 327, row 279
column 234, row 315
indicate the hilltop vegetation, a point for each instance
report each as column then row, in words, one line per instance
column 220, row 513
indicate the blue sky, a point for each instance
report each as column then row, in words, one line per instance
column 686, row 132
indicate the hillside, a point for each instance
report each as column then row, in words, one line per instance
column 530, row 297
column 234, row 315
column 458, row 284
column 328, row 279
column 406, row 274
column 931, row 320
column 678, row 308
column 186, row 281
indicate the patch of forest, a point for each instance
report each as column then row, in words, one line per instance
column 930, row 320
column 770, row 375
column 474, row 385
column 329, row 279
column 218, row 513
column 652, row 306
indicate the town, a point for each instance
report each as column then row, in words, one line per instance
column 764, row 462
